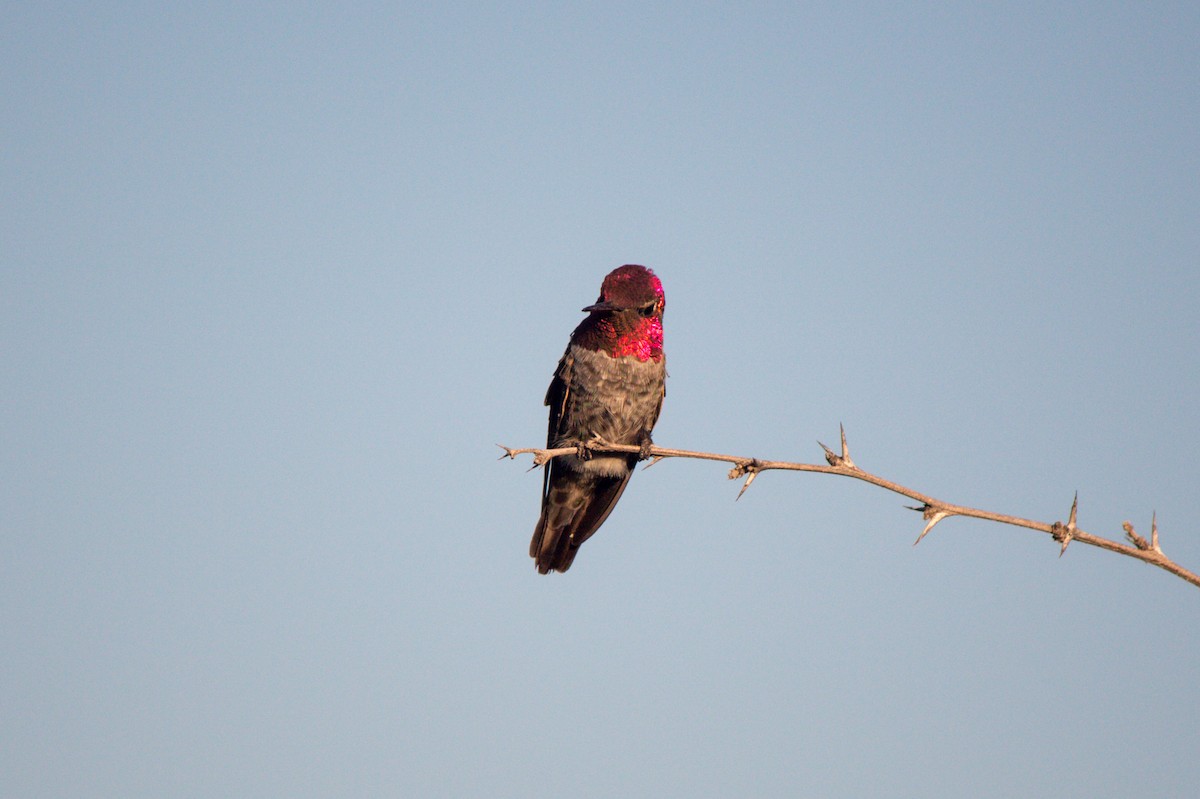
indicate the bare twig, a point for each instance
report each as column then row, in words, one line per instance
column 933, row 510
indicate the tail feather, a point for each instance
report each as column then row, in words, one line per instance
column 573, row 507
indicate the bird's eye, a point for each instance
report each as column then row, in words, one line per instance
column 647, row 310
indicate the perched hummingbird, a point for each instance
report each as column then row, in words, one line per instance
column 610, row 382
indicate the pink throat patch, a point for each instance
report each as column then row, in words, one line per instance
column 644, row 343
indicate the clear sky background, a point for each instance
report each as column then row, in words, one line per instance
column 277, row 278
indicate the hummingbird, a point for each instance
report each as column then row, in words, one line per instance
column 609, row 383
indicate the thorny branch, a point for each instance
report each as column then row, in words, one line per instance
column 933, row 510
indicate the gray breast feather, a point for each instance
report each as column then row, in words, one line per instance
column 615, row 398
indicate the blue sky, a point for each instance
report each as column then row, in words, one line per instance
column 275, row 279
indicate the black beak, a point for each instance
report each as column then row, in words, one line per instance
column 601, row 307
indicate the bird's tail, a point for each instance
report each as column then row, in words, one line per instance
column 574, row 507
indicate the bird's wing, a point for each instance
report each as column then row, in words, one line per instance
column 556, row 398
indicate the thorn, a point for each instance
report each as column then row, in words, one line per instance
column 1059, row 532
column 833, row 459
column 1063, row 533
column 749, row 468
column 653, row 460
column 508, row 453
column 934, row 519
column 1154, row 532
column 932, row 515
column 749, row 480
column 845, row 449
